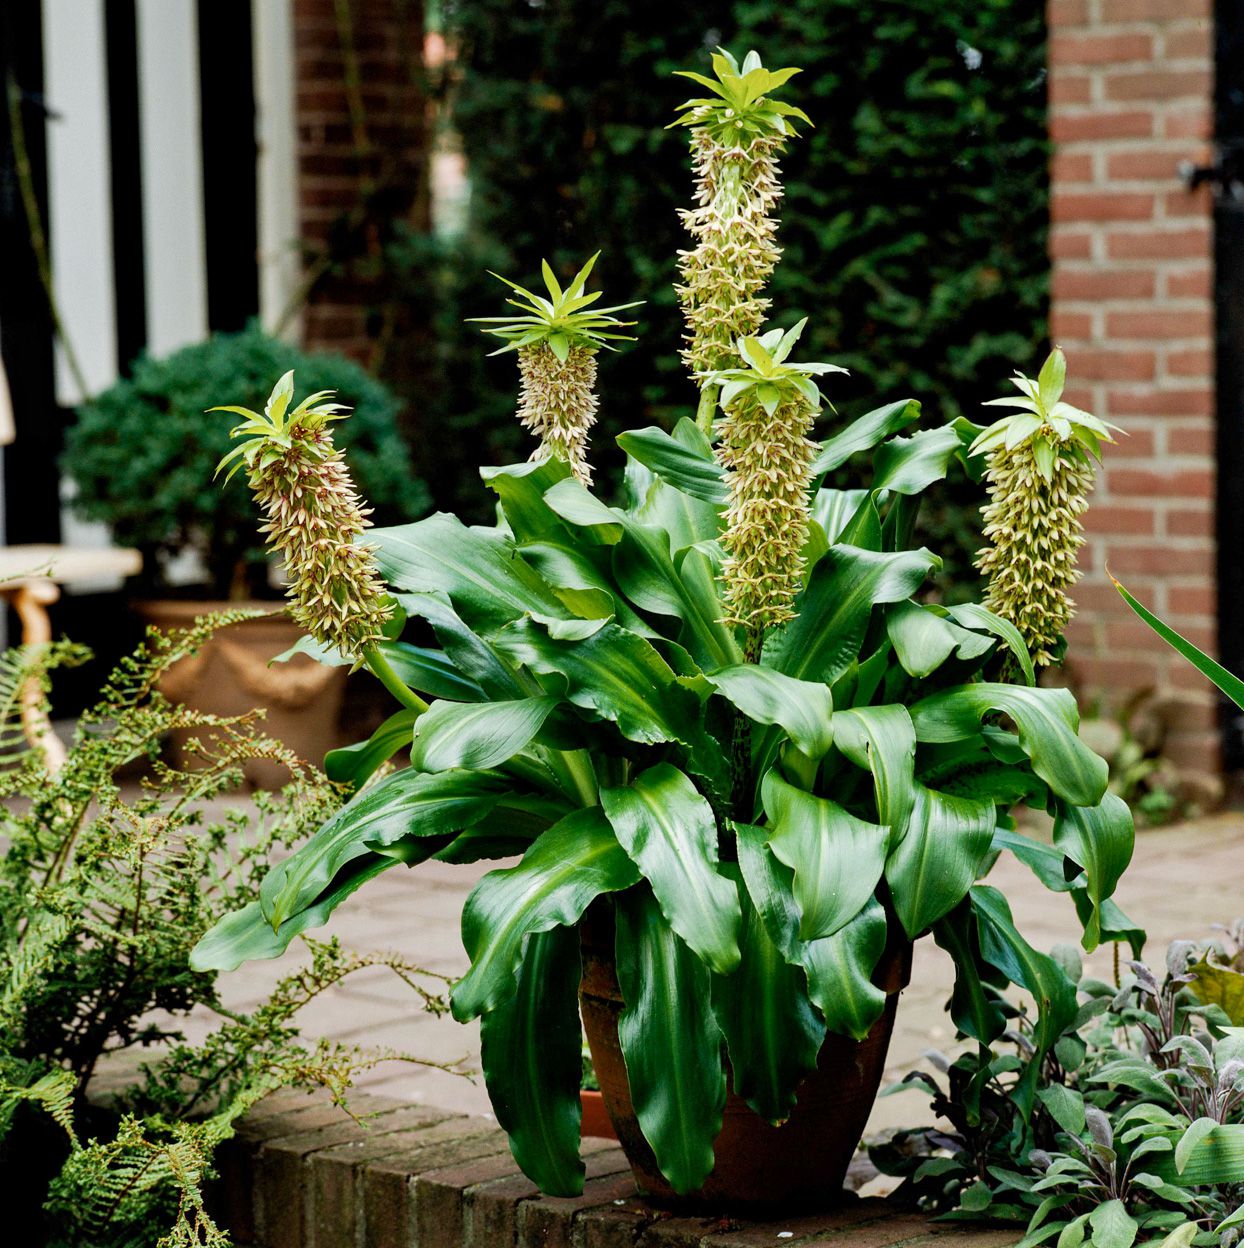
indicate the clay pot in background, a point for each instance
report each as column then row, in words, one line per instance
column 231, row 675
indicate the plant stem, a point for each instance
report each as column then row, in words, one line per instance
column 742, row 797
column 384, row 673
column 708, row 405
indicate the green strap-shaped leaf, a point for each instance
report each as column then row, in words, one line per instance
column 824, row 639
column 834, row 509
column 687, row 519
column 532, row 1060
column 476, row 735
column 567, row 868
column 838, row 968
column 1003, row 947
column 616, row 674
column 670, row 1041
column 681, row 466
column 430, row 671
column 863, row 434
column 909, row 465
column 670, row 833
column 882, row 740
column 1047, row 720
column 803, row 708
column 935, row 864
column 245, row 935
column 352, row 764
column 1100, row 839
column 1229, row 683
column 479, row 569
column 478, row 660
column 973, row 1009
column 837, row 859
column 585, row 589
column 924, row 640
column 405, row 804
column 773, row 1032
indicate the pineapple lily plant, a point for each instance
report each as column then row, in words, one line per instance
column 721, row 711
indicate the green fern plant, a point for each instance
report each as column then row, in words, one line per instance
column 103, row 892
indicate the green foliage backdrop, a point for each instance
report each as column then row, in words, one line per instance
column 914, row 227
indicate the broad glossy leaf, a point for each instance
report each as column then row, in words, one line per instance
column 670, row 833
column 935, row 864
column 352, row 764
column 245, row 935
column 1100, row 839
column 803, row 708
column 614, row 673
column 563, row 872
column 532, row 1060
column 403, row 805
column 670, row 1040
column 773, row 1032
column 837, row 859
column 909, row 465
column 863, row 434
column 430, row 671
column 480, row 570
column 520, row 489
column 1003, row 947
column 581, row 585
column 476, row 735
column 923, row 640
column 882, row 740
column 1047, row 720
column 833, row 509
column 1229, row 683
column 680, row 465
column 824, row 639
column 1220, row 986
column 1218, row 1159
column 839, row 968
column 478, row 660
column 972, row 615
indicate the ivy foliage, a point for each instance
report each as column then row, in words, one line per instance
column 142, row 453
column 913, row 226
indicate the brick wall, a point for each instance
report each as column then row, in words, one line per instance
column 361, row 155
column 1132, row 304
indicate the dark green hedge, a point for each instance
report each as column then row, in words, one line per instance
column 914, row 227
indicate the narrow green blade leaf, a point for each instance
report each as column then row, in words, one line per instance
column 352, row 764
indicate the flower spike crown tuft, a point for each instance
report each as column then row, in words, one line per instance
column 1039, row 474
column 313, row 516
column 557, row 339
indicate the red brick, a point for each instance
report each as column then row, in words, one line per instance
column 1099, row 284
column 1190, row 600
column 1105, row 518
column 1191, row 41
column 1101, row 206
column 1106, row 48
column 1194, row 362
column 1157, row 84
column 1146, row 483
column 1190, row 123
column 1190, row 523
column 1192, row 401
column 1100, row 673
column 1068, row 244
column 1153, row 10
column 1161, row 561
column 1183, row 323
column 1069, row 88
column 1191, row 440
column 1080, row 127
column 1182, row 202
column 1068, row 167
column 1062, row 13
column 1144, row 165
column 1068, row 326
column 1135, row 442
column 1193, row 283
column 1106, row 364
column 1177, row 244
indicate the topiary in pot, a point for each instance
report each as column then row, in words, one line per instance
column 743, row 759
column 141, row 457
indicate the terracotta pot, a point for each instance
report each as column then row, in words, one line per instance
column 596, row 1120
column 230, row 675
column 800, row 1164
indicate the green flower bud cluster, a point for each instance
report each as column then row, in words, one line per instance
column 1040, row 470
column 770, row 406
column 737, row 135
column 556, row 339
column 313, row 517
